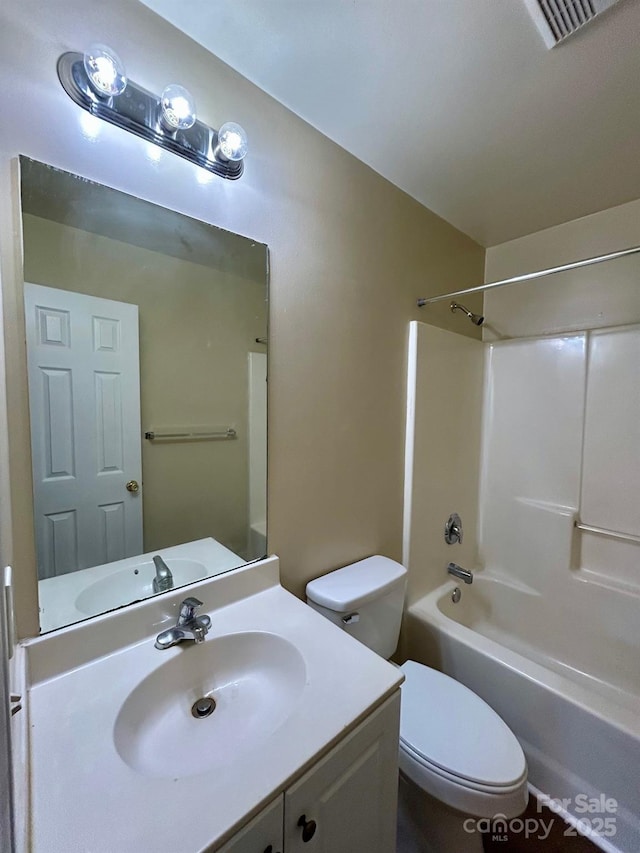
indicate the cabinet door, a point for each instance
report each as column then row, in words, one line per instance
column 347, row 802
column 263, row 834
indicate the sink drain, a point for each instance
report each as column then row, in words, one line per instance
column 202, row 708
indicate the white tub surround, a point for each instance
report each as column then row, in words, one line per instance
column 566, row 692
column 443, row 438
column 85, row 796
column 19, row 752
column 547, row 634
column 560, row 446
column 257, row 423
column 258, row 538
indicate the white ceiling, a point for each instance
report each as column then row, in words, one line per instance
column 458, row 102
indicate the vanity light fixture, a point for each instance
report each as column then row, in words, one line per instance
column 97, row 82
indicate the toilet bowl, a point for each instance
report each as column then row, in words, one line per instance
column 456, row 748
column 458, row 759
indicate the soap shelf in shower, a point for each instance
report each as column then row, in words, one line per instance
column 190, row 433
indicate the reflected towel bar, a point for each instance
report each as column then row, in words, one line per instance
column 191, row 434
column 601, row 531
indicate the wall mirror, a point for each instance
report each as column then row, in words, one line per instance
column 146, row 337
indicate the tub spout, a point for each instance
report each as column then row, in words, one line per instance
column 458, row 572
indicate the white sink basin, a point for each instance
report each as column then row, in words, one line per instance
column 255, row 678
column 134, row 583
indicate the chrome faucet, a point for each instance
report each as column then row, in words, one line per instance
column 458, row 572
column 163, row 579
column 188, row 627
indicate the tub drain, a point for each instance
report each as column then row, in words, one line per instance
column 202, row 708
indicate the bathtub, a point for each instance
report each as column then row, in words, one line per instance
column 548, row 672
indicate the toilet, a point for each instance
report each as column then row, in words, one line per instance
column 459, row 761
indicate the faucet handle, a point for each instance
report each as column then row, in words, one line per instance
column 453, row 529
column 188, row 608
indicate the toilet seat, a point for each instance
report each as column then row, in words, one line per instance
column 457, row 748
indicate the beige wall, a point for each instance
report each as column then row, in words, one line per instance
column 197, row 325
column 349, row 255
column 606, row 294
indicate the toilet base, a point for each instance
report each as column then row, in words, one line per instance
column 426, row 825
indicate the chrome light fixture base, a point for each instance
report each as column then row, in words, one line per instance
column 140, row 112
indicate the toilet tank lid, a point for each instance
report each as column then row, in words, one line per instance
column 354, row 585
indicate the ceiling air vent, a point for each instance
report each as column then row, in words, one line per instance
column 558, row 19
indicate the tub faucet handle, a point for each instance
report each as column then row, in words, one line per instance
column 453, row 529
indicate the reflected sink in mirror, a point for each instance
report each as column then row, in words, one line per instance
column 134, row 583
column 79, row 595
column 255, row 679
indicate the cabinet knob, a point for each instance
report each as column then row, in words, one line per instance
column 269, row 849
column 308, row 827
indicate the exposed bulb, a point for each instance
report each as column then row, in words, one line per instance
column 178, row 108
column 105, row 70
column 232, row 142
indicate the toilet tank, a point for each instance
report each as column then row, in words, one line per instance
column 365, row 599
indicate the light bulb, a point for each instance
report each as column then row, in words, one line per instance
column 105, row 70
column 232, row 142
column 178, row 108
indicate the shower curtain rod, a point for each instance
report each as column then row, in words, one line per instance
column 529, row 276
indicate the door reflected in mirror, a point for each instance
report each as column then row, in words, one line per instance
column 146, row 359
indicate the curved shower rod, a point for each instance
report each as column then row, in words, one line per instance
column 574, row 265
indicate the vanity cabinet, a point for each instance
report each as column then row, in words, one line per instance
column 346, row 803
column 263, row 834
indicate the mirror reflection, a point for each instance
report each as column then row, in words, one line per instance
column 146, row 341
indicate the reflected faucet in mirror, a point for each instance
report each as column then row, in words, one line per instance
column 163, row 580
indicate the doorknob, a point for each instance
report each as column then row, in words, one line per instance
column 133, row 486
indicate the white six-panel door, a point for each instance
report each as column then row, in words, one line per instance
column 84, row 396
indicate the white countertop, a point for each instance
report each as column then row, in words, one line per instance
column 86, row 798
